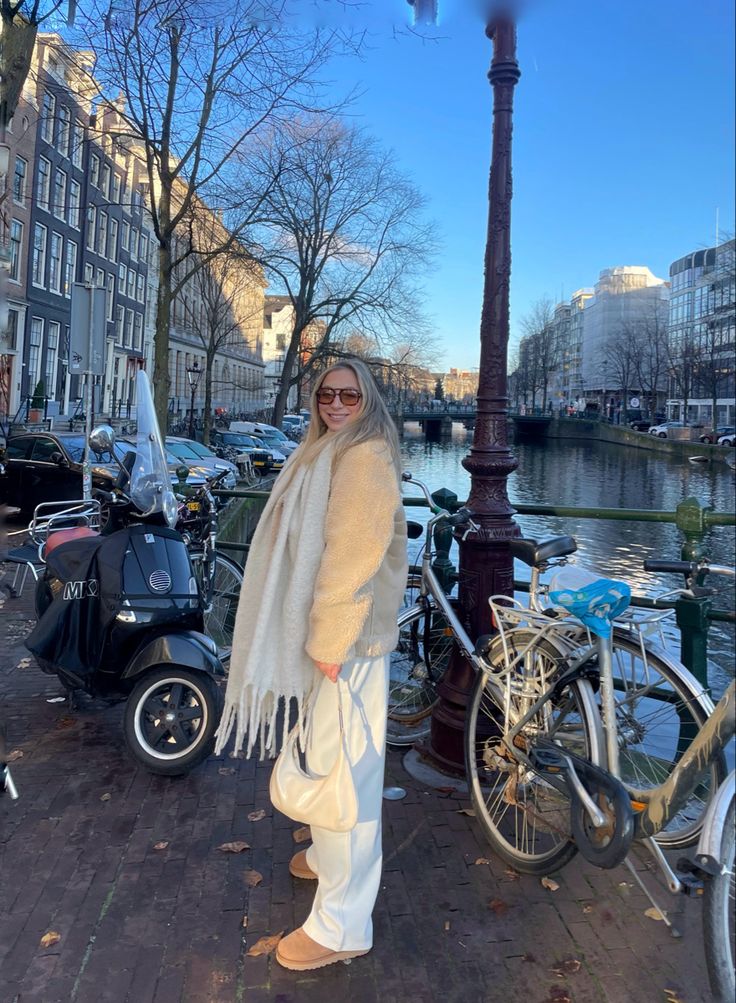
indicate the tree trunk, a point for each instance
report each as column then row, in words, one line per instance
column 207, row 417
column 279, row 407
column 161, row 383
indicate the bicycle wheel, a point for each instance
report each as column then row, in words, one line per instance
column 525, row 819
column 658, row 713
column 719, row 918
column 418, row 662
column 222, row 604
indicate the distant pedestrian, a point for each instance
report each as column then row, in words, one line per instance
column 325, row 577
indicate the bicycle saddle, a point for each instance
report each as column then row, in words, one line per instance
column 537, row 552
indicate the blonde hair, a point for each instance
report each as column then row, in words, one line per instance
column 373, row 420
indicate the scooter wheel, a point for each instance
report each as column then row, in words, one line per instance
column 170, row 719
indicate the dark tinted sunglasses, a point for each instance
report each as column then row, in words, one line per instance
column 348, row 397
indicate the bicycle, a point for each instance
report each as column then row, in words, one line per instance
column 657, row 705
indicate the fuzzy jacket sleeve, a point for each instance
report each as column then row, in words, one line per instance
column 364, row 496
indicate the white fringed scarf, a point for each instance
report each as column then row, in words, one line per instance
column 269, row 664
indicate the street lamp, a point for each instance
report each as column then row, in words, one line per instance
column 194, row 374
column 486, row 565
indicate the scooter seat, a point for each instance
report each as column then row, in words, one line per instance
column 65, row 535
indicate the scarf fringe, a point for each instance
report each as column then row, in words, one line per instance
column 254, row 718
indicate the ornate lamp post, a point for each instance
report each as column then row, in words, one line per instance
column 486, row 565
column 194, row 374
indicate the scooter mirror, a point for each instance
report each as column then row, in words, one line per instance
column 102, row 439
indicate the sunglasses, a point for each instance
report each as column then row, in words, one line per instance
column 348, row 396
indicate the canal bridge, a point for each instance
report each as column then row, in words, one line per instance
column 436, row 422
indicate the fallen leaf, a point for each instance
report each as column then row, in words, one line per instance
column 558, row 995
column 446, row 790
column 24, row 663
column 549, row 884
column 65, row 722
column 236, row 847
column 256, row 816
column 568, row 967
column 466, row 811
column 50, row 938
column 672, row 996
column 264, row 946
column 105, row 797
column 447, row 924
column 498, row 906
column 162, row 845
column 226, row 771
column 56, row 700
column 587, row 909
column 511, row 874
column 15, row 755
column 302, row 835
column 481, row 860
column 252, row 878
column 654, row 914
column 245, row 921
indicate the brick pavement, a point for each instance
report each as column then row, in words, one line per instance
column 144, row 925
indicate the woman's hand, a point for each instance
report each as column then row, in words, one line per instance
column 329, row 669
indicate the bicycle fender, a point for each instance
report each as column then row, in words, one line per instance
column 708, row 853
column 187, row 648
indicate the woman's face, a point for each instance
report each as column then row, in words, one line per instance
column 335, row 414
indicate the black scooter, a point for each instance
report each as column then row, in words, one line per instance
column 120, row 615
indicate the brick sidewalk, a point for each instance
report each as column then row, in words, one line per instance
column 78, row 856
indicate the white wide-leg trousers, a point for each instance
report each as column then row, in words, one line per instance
column 349, row 863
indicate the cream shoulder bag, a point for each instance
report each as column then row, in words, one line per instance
column 329, row 801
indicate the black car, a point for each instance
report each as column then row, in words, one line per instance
column 47, row 466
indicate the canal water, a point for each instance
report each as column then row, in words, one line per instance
column 606, row 475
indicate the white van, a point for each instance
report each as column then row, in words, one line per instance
column 272, row 436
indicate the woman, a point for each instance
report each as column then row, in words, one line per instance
column 325, row 577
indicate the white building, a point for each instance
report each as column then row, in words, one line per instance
column 278, row 324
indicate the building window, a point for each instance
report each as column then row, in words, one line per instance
column 119, row 321
column 102, row 234
column 112, row 241
column 110, row 295
column 91, row 223
column 94, row 171
column 121, row 278
column 139, row 288
column 89, row 274
column 75, row 198
column 34, row 353
column 115, row 197
column 20, row 179
column 77, row 140
column 131, row 284
column 105, row 186
column 62, row 136
column 101, row 278
column 48, row 110
column 55, row 251
column 143, row 248
column 70, row 267
column 128, row 335
column 52, row 351
column 138, row 331
column 12, row 332
column 125, row 235
column 38, row 268
column 60, row 194
column 16, row 248
column 43, row 183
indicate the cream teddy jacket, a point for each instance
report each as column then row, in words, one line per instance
column 362, row 574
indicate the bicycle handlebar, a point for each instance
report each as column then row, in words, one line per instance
column 688, row 568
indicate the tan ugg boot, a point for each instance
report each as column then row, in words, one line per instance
column 300, row 953
column 299, row 867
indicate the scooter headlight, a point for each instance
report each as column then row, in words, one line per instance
column 170, row 508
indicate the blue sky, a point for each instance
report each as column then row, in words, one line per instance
column 623, row 141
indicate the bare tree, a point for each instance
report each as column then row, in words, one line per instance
column 682, row 354
column 648, row 335
column 544, row 349
column 191, row 85
column 342, row 233
column 620, row 355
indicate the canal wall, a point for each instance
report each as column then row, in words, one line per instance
column 238, row 520
column 581, row 428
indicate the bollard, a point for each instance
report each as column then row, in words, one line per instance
column 442, row 537
column 692, row 614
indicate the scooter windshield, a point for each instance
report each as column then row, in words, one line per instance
column 150, row 484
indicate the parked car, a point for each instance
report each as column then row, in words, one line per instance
column 715, row 435
column 203, row 460
column 293, row 425
column 640, row 424
column 275, row 438
column 48, row 466
column 727, row 440
column 235, row 444
column 663, row 429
